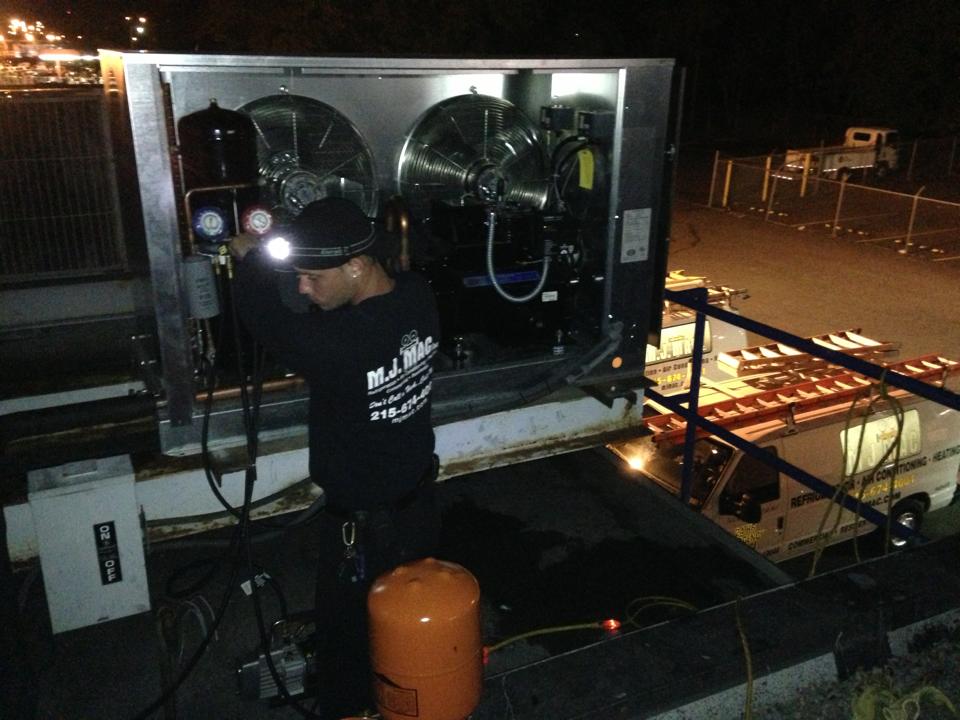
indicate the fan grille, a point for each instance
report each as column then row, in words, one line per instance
column 473, row 146
column 307, row 150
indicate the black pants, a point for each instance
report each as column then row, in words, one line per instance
column 386, row 538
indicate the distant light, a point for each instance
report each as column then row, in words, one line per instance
column 140, row 29
column 610, row 624
column 64, row 57
column 143, row 19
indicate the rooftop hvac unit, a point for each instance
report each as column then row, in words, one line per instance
column 533, row 195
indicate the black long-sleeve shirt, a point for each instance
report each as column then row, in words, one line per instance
column 369, row 370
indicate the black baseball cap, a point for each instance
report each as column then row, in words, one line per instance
column 326, row 234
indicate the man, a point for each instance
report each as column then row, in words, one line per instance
column 366, row 350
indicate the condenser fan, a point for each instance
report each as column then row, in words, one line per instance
column 475, row 146
column 307, row 150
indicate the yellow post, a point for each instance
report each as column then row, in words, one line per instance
column 766, row 178
column 713, row 177
column 806, row 174
column 726, row 183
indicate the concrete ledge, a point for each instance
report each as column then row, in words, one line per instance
column 699, row 659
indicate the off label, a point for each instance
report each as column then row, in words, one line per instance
column 108, row 552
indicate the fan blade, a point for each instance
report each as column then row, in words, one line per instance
column 308, row 150
column 469, row 145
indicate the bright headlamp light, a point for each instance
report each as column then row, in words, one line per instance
column 278, row 248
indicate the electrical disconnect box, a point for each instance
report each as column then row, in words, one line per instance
column 90, row 542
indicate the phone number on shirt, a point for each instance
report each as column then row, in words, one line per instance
column 407, row 408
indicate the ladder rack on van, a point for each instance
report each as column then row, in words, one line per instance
column 778, row 357
column 716, row 294
column 791, row 398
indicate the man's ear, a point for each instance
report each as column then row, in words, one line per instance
column 355, row 267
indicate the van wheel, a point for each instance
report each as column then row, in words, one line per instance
column 907, row 512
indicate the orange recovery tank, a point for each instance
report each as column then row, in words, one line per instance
column 425, row 644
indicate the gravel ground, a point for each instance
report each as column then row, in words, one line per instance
column 920, row 681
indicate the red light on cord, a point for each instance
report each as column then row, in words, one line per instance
column 610, row 624
column 486, row 654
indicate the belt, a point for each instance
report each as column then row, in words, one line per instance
column 401, row 503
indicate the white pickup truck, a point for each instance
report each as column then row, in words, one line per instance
column 863, row 148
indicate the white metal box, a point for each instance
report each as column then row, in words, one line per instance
column 90, row 541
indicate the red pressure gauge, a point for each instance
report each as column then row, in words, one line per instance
column 257, row 220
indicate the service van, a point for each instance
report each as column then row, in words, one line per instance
column 806, row 424
column 669, row 363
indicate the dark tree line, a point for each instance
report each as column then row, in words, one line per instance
column 753, row 67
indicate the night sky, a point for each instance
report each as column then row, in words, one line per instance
column 753, row 67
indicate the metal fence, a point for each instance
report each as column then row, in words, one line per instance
column 896, row 210
column 59, row 208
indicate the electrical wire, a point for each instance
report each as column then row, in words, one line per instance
column 638, row 605
column 900, row 419
column 214, row 479
column 251, row 417
column 748, row 661
column 598, row 624
column 239, row 547
column 169, row 691
column 877, row 394
column 843, row 484
column 634, row 608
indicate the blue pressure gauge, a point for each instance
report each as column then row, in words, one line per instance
column 210, row 223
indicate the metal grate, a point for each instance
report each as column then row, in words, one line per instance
column 59, row 210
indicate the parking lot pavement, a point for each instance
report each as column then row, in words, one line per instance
column 808, row 284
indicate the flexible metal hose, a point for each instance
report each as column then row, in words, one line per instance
column 492, row 274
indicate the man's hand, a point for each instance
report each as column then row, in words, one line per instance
column 243, row 243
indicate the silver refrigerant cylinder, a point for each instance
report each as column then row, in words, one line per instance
column 201, row 287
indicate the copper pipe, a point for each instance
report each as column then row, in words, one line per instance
column 397, row 217
column 191, row 240
column 228, row 393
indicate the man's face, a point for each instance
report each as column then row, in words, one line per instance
column 329, row 288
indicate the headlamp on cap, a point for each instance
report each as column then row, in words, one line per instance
column 278, row 248
column 326, row 234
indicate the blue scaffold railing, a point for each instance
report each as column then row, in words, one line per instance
column 696, row 300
